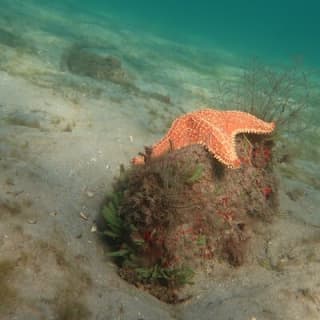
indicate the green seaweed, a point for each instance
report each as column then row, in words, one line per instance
column 196, row 175
column 125, row 248
column 116, row 230
column 113, row 220
column 202, row 240
column 123, row 253
column 177, row 276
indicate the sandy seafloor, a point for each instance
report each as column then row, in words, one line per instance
column 62, row 140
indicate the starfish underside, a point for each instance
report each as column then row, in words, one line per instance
column 215, row 130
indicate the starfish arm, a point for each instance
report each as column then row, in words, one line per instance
column 223, row 149
column 175, row 138
column 246, row 123
column 217, row 142
column 214, row 129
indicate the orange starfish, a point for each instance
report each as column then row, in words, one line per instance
column 214, row 129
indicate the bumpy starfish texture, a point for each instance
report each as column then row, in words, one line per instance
column 215, row 130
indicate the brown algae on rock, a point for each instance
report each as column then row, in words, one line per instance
column 167, row 219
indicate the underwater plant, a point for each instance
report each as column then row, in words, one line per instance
column 128, row 243
column 274, row 94
column 284, row 95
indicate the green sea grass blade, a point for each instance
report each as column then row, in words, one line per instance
column 111, row 234
column 196, row 175
column 113, row 220
column 119, row 253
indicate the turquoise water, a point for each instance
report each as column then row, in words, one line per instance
column 274, row 30
column 173, row 49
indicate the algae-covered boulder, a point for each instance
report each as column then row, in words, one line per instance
column 11, row 39
column 85, row 62
column 168, row 217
